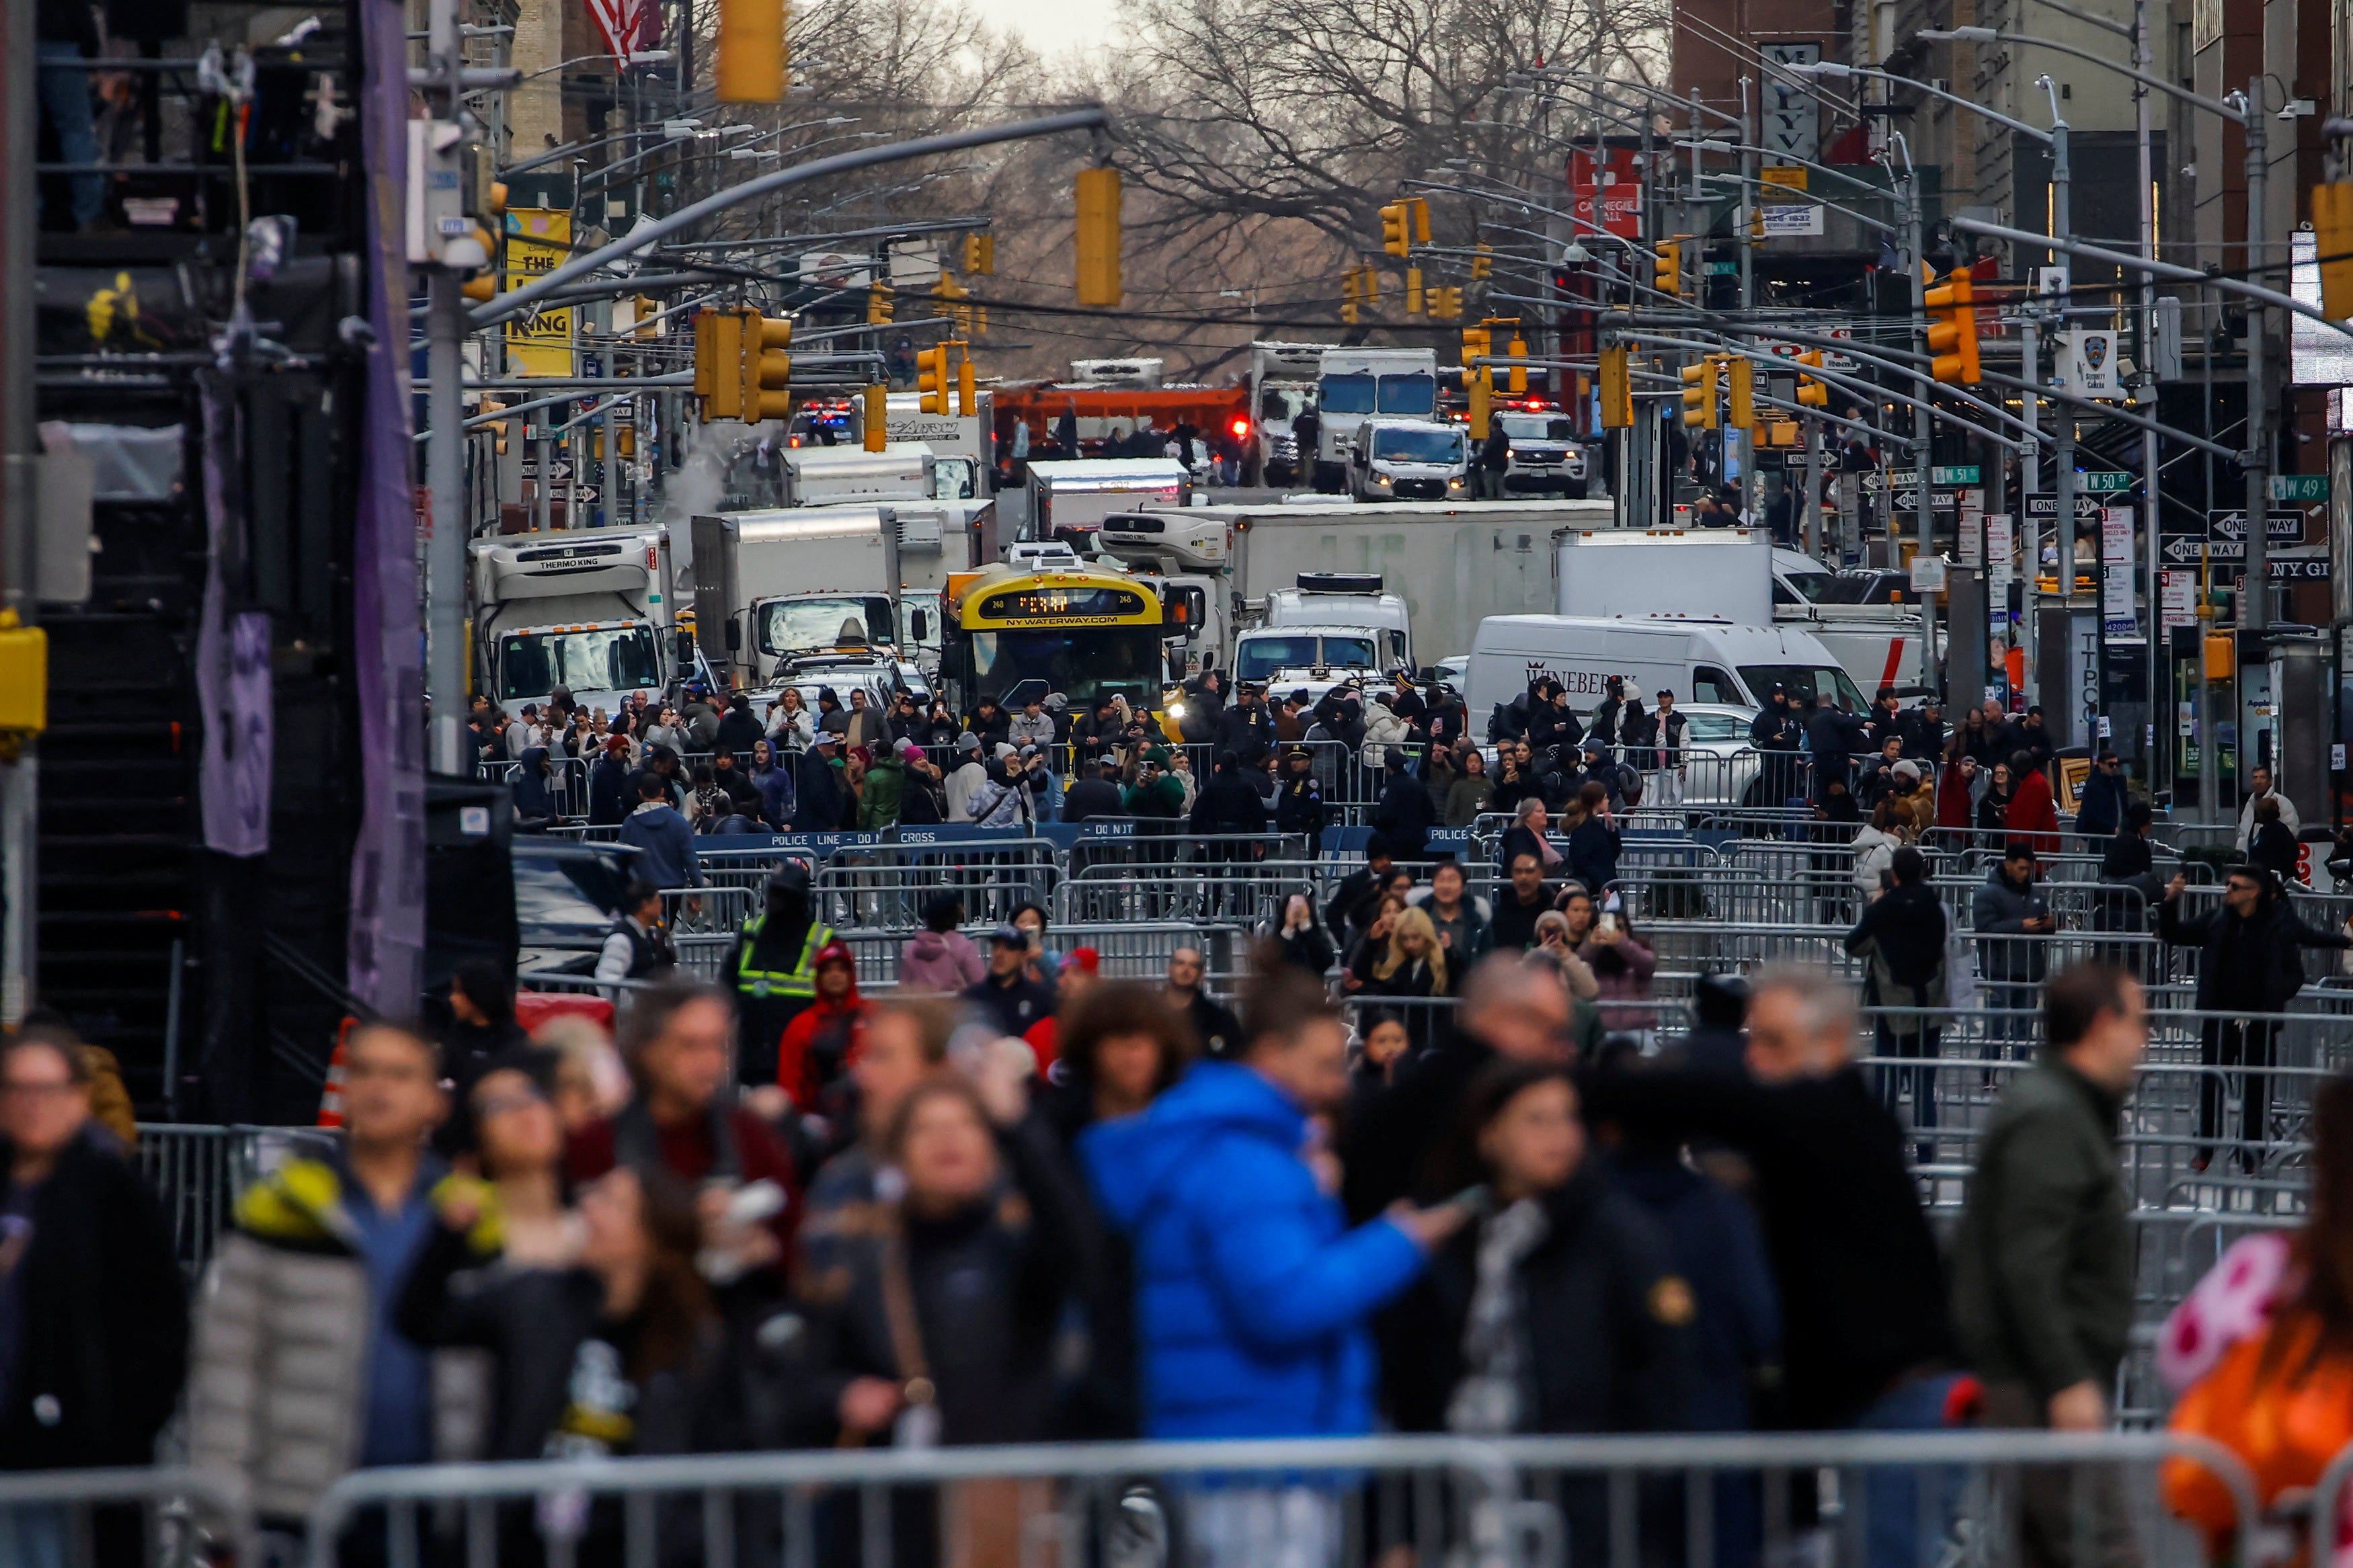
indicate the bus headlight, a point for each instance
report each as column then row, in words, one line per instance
column 1176, row 710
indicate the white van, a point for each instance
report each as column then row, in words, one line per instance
column 1698, row 660
column 1409, row 460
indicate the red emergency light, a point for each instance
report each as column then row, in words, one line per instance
column 1242, row 426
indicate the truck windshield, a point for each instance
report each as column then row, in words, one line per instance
column 1812, row 587
column 1536, row 427
column 1348, row 394
column 1802, row 682
column 786, row 624
column 612, row 659
column 1418, row 445
column 1085, row 664
column 1415, row 394
column 1262, row 657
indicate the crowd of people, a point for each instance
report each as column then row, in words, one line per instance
column 1017, row 1200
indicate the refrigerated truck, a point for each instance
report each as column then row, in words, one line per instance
column 1354, row 384
column 592, row 610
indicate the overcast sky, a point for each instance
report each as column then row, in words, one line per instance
column 1052, row 27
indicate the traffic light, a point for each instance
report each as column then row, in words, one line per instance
column 932, row 378
column 1481, row 386
column 497, row 427
column 1368, row 287
column 765, row 369
column 1483, row 266
column 718, row 363
column 1396, row 228
column 1953, row 327
column 2332, row 232
column 1740, row 394
column 1413, row 295
column 1813, row 394
column 875, row 416
column 1617, row 389
column 1098, row 238
column 980, row 255
column 1519, row 351
column 642, row 324
column 1699, row 395
column 1476, row 345
column 748, row 64
column 1349, row 286
column 968, row 395
column 878, row 303
column 1421, row 220
column 1667, row 268
column 1446, row 303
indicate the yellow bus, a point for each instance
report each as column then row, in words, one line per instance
column 1086, row 635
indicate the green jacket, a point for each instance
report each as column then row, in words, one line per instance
column 878, row 802
column 2042, row 1269
column 1163, row 797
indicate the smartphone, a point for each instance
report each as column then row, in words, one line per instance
column 1608, row 922
column 1478, row 1201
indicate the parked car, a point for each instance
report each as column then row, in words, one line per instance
column 1545, row 457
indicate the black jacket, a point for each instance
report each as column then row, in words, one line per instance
column 1243, row 730
column 2250, row 966
column 1608, row 1321
column 1299, row 804
column 1862, row 1286
column 739, row 732
column 1390, row 1129
column 1353, row 903
column 103, row 1336
column 1216, row 1030
column 1513, row 927
column 1834, row 738
column 1227, row 804
column 1014, row 1007
column 1093, row 799
column 1405, row 816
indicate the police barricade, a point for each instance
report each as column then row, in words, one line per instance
column 886, row 878
column 198, row 1171
column 717, row 907
column 163, row 1517
column 1835, row 1499
column 1240, row 879
column 1126, row 950
column 567, row 783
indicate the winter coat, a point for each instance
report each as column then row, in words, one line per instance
column 1606, row 1320
column 535, row 808
column 1593, row 846
column 2289, row 819
column 1228, row 806
column 1863, row 1287
column 284, row 1323
column 1404, row 815
column 1466, row 799
column 1253, row 1299
column 738, row 731
column 1874, row 852
column 103, row 1317
column 1093, row 799
column 1383, row 729
column 2100, row 808
column 1016, row 1008
column 609, row 792
column 1715, row 1244
column 1902, row 932
column 2246, row 966
column 964, row 780
column 791, row 732
column 2002, row 909
column 997, row 804
column 986, row 1286
column 1626, row 980
column 665, row 846
column 2032, row 814
column 1243, row 730
column 877, row 797
column 2042, row 1267
column 775, row 783
column 940, row 960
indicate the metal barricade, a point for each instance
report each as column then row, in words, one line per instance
column 197, row 1172
column 1985, row 1499
column 1235, row 879
column 160, row 1518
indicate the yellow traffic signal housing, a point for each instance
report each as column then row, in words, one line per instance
column 1098, row 238
column 1413, row 294
column 1617, row 389
column 1446, row 303
column 1481, row 386
column 1368, row 286
column 1953, row 327
column 1421, row 220
column 719, row 363
column 765, row 369
column 497, row 427
column 1813, row 394
column 748, row 63
column 1483, row 266
column 1476, row 345
column 980, row 255
column 932, row 378
column 1667, row 268
column 1349, row 287
column 2332, row 232
column 875, row 416
column 1740, row 394
column 1699, row 395
column 879, row 298
column 1396, row 228
column 968, row 394
column 1519, row 351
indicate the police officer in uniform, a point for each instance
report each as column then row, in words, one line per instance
column 774, row 971
column 1299, row 801
column 638, row 946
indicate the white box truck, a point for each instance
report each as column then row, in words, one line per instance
column 1700, row 661
column 588, row 609
column 835, row 475
column 1352, row 386
column 1726, row 573
column 771, row 583
column 1071, row 497
column 963, row 445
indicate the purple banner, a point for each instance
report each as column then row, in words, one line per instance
column 232, row 653
column 387, row 914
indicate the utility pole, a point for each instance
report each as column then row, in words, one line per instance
column 2145, row 59
column 449, row 524
column 2064, row 457
column 2026, row 549
column 19, row 776
column 2254, row 586
column 1923, row 452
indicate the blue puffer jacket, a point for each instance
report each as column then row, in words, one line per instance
column 1252, row 1296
